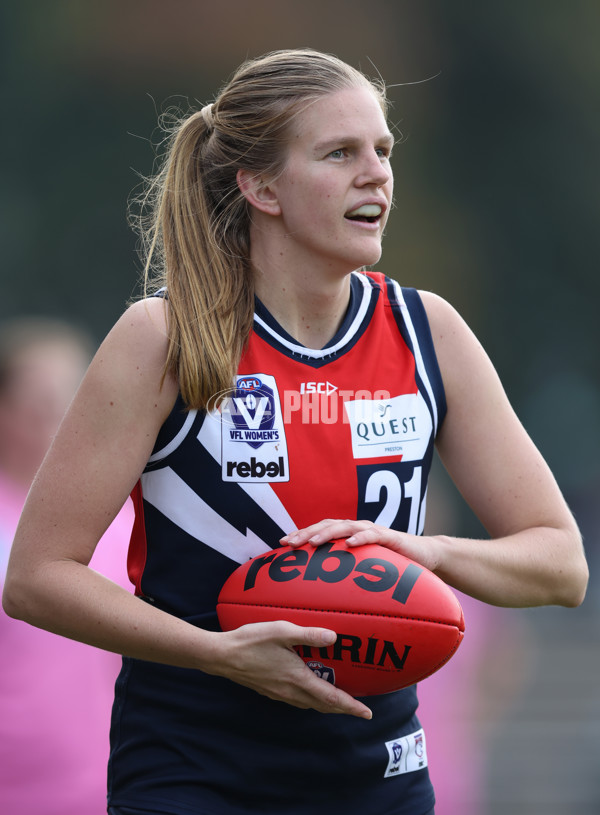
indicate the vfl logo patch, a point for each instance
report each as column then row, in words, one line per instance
column 252, row 411
column 253, row 443
column 406, row 754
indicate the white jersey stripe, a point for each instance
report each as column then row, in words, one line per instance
column 264, row 495
column 176, row 441
column 169, row 493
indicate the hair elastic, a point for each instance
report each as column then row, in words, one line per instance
column 207, row 115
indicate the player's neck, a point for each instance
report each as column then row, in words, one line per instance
column 309, row 310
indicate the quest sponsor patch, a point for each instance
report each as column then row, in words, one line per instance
column 399, row 426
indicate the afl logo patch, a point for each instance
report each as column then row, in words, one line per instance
column 253, row 442
column 248, row 383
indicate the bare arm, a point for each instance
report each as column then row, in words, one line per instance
column 96, row 459
column 535, row 555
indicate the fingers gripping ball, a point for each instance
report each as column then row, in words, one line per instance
column 396, row 622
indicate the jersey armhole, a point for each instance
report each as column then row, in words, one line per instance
column 418, row 315
column 174, row 430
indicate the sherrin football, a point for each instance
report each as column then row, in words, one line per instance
column 396, row 621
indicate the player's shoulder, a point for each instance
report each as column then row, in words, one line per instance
column 149, row 314
column 438, row 309
column 446, row 324
column 134, row 353
column 142, row 330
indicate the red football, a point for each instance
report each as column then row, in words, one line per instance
column 396, row 621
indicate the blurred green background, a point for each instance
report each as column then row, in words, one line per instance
column 497, row 203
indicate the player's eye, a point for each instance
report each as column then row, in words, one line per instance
column 339, row 153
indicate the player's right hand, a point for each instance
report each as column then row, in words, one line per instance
column 261, row 656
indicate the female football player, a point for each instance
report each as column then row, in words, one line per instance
column 265, row 387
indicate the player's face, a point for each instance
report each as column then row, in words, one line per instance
column 336, row 190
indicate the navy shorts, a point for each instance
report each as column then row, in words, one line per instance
column 128, row 811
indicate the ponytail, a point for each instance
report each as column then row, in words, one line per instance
column 210, row 291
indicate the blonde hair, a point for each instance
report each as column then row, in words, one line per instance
column 195, row 222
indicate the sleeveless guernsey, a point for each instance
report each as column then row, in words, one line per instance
column 342, row 432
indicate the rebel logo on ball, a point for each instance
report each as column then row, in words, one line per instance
column 371, row 574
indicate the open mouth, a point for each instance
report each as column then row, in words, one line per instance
column 367, row 213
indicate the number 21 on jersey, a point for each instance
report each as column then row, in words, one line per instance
column 391, row 495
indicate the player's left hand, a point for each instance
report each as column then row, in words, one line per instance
column 423, row 550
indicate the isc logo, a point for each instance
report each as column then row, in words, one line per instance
column 373, row 574
column 317, row 387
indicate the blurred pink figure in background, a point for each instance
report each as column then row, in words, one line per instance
column 55, row 694
column 460, row 704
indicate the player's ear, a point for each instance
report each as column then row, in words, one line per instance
column 258, row 192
